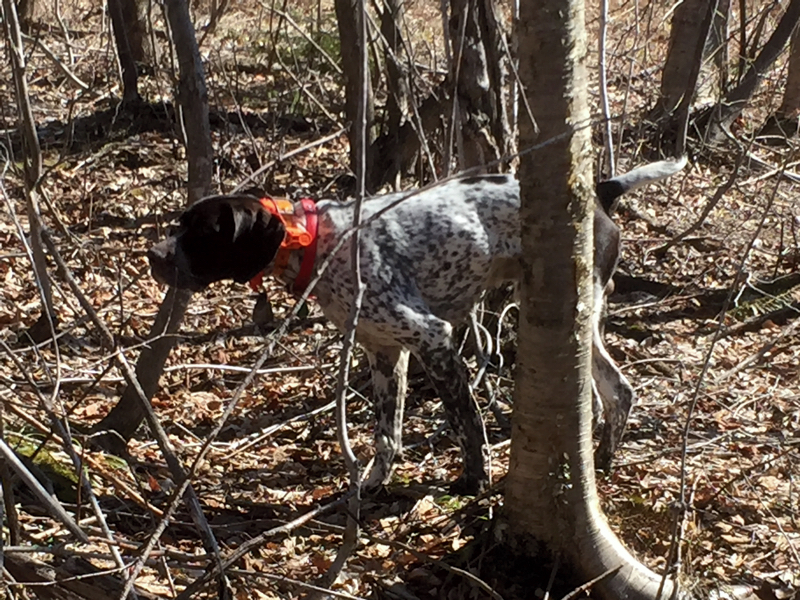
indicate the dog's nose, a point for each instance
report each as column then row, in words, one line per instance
column 163, row 251
column 155, row 254
column 158, row 257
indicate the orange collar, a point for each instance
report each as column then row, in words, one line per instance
column 296, row 237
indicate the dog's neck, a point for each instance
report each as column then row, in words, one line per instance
column 294, row 262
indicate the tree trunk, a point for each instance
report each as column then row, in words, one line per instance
column 790, row 105
column 714, row 74
column 688, row 35
column 130, row 75
column 785, row 123
column 736, row 99
column 348, row 19
column 127, row 415
column 391, row 18
column 550, row 488
column 44, row 327
column 673, row 113
column 193, row 101
column 497, row 52
column 133, row 15
column 26, row 12
column 481, row 87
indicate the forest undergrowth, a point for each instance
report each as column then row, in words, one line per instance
column 115, row 179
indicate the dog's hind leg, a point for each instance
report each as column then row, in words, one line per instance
column 389, row 367
column 617, row 395
column 615, row 391
column 450, row 377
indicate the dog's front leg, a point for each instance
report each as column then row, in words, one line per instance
column 389, row 382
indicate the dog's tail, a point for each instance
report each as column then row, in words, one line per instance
column 608, row 191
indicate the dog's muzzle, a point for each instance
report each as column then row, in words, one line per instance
column 166, row 268
column 162, row 263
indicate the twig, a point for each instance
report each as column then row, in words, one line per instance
column 67, row 552
column 303, row 88
column 415, row 121
column 754, row 358
column 589, row 584
column 254, row 543
column 8, row 505
column 673, row 554
column 59, row 63
column 233, row 95
column 64, row 31
column 188, row 366
column 789, row 539
column 47, row 402
column 474, row 579
column 185, row 488
column 47, row 583
column 183, row 485
column 557, row 561
column 301, row 584
column 773, row 170
column 235, row 369
column 483, row 351
column 517, row 89
column 53, row 506
column 175, row 467
column 65, row 438
column 517, row 82
column 309, row 39
column 718, row 195
column 350, row 537
column 268, row 431
column 626, row 95
column 32, row 157
column 287, row 156
column 609, row 139
column 454, row 130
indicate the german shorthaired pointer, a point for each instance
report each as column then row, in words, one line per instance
column 426, row 258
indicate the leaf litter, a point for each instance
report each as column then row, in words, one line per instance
column 277, row 456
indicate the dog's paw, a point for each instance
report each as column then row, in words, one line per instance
column 376, row 480
column 263, row 315
column 602, row 458
column 604, row 453
column 468, row 486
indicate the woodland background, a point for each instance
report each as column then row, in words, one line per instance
column 704, row 317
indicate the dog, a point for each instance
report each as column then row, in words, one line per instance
column 426, row 258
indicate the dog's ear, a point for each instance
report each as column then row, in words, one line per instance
column 233, row 222
column 243, row 222
column 257, row 237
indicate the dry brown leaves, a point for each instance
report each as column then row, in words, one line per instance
column 275, row 460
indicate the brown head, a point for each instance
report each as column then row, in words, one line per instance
column 217, row 238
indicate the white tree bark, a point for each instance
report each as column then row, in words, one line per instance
column 551, row 495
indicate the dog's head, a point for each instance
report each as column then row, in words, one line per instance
column 217, row 238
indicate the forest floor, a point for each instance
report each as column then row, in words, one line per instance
column 115, row 179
